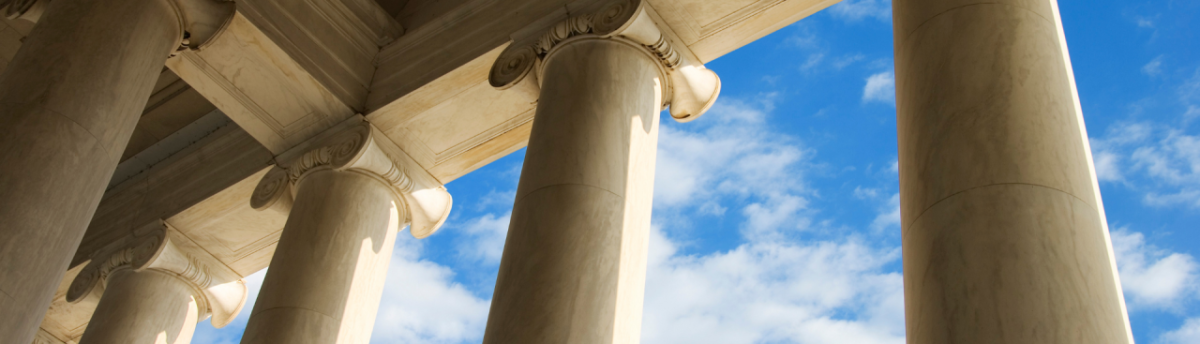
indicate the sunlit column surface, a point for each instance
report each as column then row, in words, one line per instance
column 1004, row 233
column 574, row 262
column 327, row 274
column 144, row 307
column 582, row 214
column 152, row 292
column 69, row 101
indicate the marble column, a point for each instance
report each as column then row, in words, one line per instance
column 351, row 196
column 153, row 292
column 1004, row 234
column 150, row 307
column 69, row 101
column 574, row 262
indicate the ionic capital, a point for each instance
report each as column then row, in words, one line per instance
column 360, row 147
column 689, row 88
column 219, row 292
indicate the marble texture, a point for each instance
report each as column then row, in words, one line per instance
column 69, row 101
column 573, row 268
column 144, row 307
column 327, row 274
column 1004, row 234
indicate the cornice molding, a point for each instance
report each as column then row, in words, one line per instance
column 358, row 146
column 690, row 89
column 220, row 292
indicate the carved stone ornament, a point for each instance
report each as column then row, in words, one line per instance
column 357, row 145
column 689, row 88
column 219, row 292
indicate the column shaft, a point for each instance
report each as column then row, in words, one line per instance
column 574, row 262
column 326, row 277
column 69, row 101
column 144, row 307
column 1004, row 234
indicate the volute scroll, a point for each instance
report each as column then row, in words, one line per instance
column 219, row 292
column 690, row 88
column 358, row 146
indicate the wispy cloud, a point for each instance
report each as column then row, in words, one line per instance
column 1151, row 277
column 889, row 215
column 818, row 292
column 855, row 10
column 1161, row 162
column 484, row 238
column 1189, row 333
column 1154, row 67
column 771, row 287
column 881, row 87
column 423, row 304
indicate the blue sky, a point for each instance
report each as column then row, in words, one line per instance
column 776, row 214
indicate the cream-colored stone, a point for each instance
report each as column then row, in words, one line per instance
column 144, row 307
column 69, row 100
column 573, row 269
column 153, row 287
column 327, row 274
column 253, row 81
column 349, row 191
column 1003, row 229
column 1010, row 263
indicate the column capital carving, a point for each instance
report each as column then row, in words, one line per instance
column 358, row 146
column 689, row 88
column 219, row 291
column 202, row 20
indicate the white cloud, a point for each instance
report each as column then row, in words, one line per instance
column 1189, row 333
column 771, row 287
column 1175, row 162
column 812, row 62
column 422, row 303
column 1145, row 22
column 1154, row 67
column 865, row 193
column 855, row 10
column 821, row 292
column 880, row 87
column 889, row 216
column 844, row 61
column 485, row 238
column 731, row 153
column 1165, row 160
column 1153, row 278
column 1108, row 167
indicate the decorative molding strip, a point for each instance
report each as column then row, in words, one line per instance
column 690, row 89
column 222, row 294
column 484, row 136
column 358, row 146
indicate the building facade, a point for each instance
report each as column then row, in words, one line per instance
column 155, row 152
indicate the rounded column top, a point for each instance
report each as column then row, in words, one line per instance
column 689, row 88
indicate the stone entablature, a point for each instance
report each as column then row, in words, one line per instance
column 358, row 146
column 687, row 87
column 218, row 291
